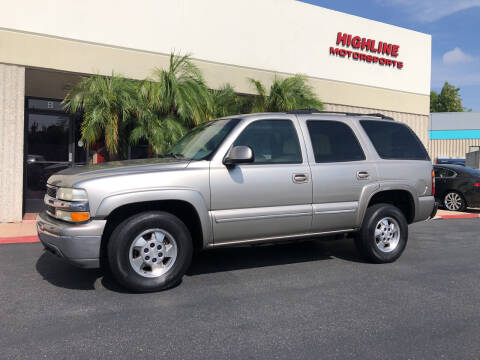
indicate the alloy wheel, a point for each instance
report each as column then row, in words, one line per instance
column 153, row 253
column 387, row 234
column 453, row 201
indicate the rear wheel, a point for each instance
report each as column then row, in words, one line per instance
column 384, row 234
column 454, row 201
column 150, row 251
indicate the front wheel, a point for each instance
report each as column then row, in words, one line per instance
column 384, row 234
column 150, row 251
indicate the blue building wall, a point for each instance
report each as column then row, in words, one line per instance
column 454, row 125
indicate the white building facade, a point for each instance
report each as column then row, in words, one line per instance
column 353, row 64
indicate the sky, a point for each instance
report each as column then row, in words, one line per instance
column 455, row 29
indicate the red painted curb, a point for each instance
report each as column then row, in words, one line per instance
column 463, row 216
column 19, row 240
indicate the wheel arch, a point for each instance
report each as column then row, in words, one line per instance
column 400, row 197
column 189, row 206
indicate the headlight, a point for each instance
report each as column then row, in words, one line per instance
column 69, row 194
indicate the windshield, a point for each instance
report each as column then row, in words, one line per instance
column 201, row 142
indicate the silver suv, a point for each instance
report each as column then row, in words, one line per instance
column 240, row 180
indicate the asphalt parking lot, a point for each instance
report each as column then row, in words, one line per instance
column 313, row 300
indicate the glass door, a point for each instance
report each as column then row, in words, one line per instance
column 51, row 145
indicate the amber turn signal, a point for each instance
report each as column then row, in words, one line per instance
column 79, row 216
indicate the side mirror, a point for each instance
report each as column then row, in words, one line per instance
column 239, row 155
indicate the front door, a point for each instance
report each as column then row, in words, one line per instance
column 270, row 197
column 50, row 146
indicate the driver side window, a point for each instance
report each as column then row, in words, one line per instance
column 272, row 142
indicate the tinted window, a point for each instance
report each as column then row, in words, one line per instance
column 272, row 141
column 333, row 141
column 394, row 140
column 444, row 173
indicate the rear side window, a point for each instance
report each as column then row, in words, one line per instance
column 394, row 140
column 334, row 141
column 444, row 173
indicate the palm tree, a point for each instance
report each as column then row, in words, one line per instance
column 291, row 93
column 225, row 102
column 179, row 91
column 160, row 131
column 107, row 103
column 175, row 99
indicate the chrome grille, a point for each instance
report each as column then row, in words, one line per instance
column 52, row 191
column 51, row 210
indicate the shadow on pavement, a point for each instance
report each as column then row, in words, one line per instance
column 62, row 274
column 473, row 210
column 59, row 273
column 245, row 257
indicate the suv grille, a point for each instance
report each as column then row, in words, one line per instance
column 51, row 210
column 51, row 191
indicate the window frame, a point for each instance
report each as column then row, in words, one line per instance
column 270, row 163
column 364, row 155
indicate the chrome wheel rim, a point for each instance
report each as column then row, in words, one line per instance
column 153, row 253
column 453, row 201
column 387, row 234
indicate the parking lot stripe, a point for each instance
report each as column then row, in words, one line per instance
column 19, row 240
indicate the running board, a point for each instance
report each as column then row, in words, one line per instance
column 275, row 238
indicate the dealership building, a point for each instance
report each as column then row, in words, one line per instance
column 353, row 64
column 453, row 134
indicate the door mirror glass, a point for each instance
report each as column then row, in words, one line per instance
column 239, row 155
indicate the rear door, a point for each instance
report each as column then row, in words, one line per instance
column 444, row 179
column 341, row 171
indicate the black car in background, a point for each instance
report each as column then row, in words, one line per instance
column 457, row 187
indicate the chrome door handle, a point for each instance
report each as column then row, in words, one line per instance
column 300, row 178
column 363, row 175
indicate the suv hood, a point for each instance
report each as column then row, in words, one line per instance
column 69, row 177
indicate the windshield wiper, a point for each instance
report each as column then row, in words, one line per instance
column 174, row 155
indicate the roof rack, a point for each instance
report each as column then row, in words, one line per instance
column 315, row 111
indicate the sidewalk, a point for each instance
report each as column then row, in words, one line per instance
column 468, row 214
column 24, row 232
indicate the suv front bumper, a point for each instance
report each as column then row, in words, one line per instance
column 79, row 244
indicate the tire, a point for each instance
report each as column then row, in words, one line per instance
column 376, row 227
column 150, row 251
column 454, row 201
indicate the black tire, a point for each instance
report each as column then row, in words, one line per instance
column 127, row 231
column 463, row 205
column 366, row 242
